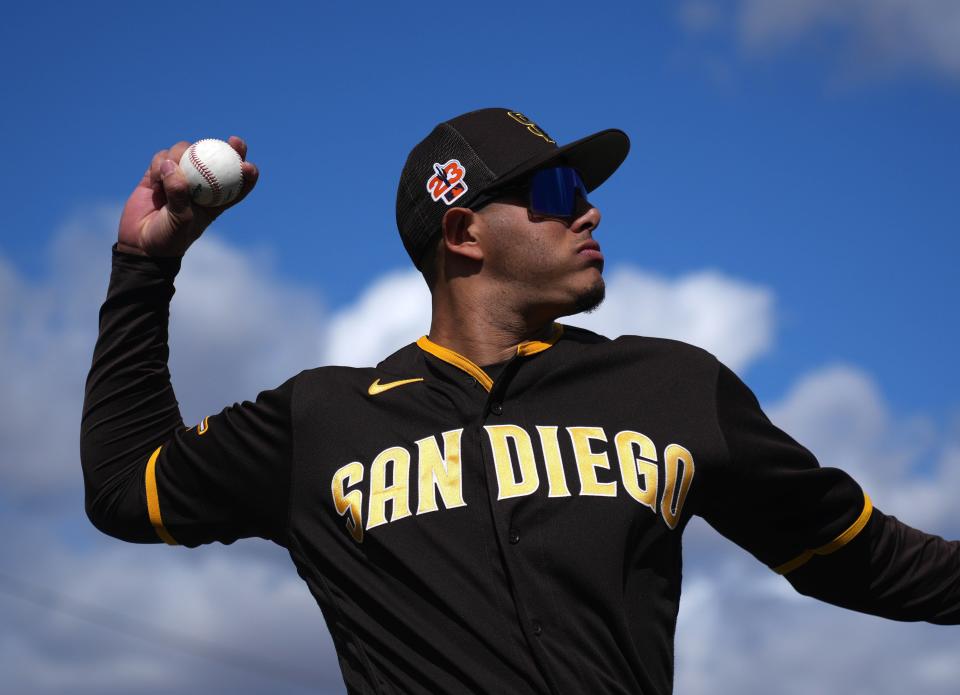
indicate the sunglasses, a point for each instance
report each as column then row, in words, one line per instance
column 551, row 192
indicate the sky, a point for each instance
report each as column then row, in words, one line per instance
column 790, row 203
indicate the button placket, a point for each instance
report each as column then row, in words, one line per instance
column 524, row 594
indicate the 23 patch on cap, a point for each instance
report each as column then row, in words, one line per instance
column 447, row 183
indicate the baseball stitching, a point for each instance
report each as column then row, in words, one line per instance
column 206, row 174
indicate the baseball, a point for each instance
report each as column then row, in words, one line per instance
column 213, row 169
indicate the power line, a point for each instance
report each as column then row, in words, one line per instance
column 133, row 627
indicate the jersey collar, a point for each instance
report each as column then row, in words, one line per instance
column 524, row 349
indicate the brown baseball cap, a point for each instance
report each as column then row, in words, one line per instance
column 465, row 160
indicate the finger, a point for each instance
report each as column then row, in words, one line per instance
column 145, row 180
column 177, row 190
column 250, row 177
column 177, row 150
column 154, row 171
column 239, row 145
column 148, row 176
column 251, row 174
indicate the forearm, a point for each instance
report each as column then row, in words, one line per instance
column 890, row 570
column 129, row 407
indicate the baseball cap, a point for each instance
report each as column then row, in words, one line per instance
column 465, row 160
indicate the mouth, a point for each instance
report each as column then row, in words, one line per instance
column 590, row 250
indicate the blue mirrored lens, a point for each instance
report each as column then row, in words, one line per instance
column 553, row 192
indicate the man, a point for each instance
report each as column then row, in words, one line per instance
column 497, row 507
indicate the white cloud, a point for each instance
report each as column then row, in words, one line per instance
column 238, row 328
column 235, row 330
column 392, row 312
column 46, row 340
column 904, row 464
column 730, row 318
column 877, row 36
column 746, row 632
column 144, row 619
column 743, row 629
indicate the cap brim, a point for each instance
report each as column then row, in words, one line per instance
column 596, row 157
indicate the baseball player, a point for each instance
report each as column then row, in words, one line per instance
column 497, row 507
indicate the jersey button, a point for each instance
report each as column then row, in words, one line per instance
column 496, row 409
column 514, row 536
column 537, row 628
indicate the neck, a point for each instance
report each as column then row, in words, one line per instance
column 471, row 327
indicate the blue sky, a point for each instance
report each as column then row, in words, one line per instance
column 794, row 167
column 805, row 165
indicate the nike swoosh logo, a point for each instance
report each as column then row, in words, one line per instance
column 376, row 387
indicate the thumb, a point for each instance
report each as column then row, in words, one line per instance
column 176, row 189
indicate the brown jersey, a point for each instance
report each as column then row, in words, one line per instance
column 514, row 529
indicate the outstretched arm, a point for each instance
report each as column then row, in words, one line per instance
column 891, row 570
column 816, row 526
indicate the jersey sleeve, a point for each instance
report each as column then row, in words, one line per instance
column 226, row 478
column 149, row 478
column 891, row 570
column 772, row 497
column 817, row 527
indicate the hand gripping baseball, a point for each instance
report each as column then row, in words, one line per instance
column 159, row 218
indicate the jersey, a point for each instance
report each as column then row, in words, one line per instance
column 514, row 529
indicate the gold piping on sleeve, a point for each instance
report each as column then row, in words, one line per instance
column 855, row 528
column 456, row 359
column 532, row 347
column 153, row 500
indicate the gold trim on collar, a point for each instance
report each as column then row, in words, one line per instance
column 532, row 347
column 524, row 349
column 456, row 359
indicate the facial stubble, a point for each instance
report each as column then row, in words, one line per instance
column 591, row 298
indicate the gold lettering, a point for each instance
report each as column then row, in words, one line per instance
column 638, row 466
column 507, row 484
column 398, row 492
column 551, row 456
column 531, row 126
column 588, row 461
column 352, row 501
column 675, row 456
column 439, row 472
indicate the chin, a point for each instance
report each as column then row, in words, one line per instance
column 591, row 298
column 586, row 300
column 582, row 300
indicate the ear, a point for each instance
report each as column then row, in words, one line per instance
column 459, row 229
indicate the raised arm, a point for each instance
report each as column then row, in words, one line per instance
column 159, row 219
column 147, row 477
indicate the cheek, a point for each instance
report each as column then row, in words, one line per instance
column 514, row 253
column 532, row 256
column 524, row 250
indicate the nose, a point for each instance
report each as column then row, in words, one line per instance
column 588, row 217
